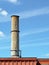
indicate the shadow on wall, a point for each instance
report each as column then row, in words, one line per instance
column 38, row 63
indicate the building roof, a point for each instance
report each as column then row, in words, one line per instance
column 23, row 61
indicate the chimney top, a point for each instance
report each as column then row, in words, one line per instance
column 14, row 16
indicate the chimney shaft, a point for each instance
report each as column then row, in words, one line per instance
column 15, row 36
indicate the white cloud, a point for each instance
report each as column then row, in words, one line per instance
column 31, row 13
column 37, row 39
column 4, row 13
column 2, row 34
column 47, row 54
column 34, row 45
column 14, row 1
column 4, row 16
column 35, row 31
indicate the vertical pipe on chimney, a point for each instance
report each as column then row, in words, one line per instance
column 15, row 36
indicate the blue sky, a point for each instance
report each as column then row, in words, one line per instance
column 33, row 26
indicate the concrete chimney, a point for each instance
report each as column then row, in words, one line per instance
column 15, row 36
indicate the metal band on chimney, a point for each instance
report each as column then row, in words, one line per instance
column 15, row 31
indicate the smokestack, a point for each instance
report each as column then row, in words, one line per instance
column 15, row 36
